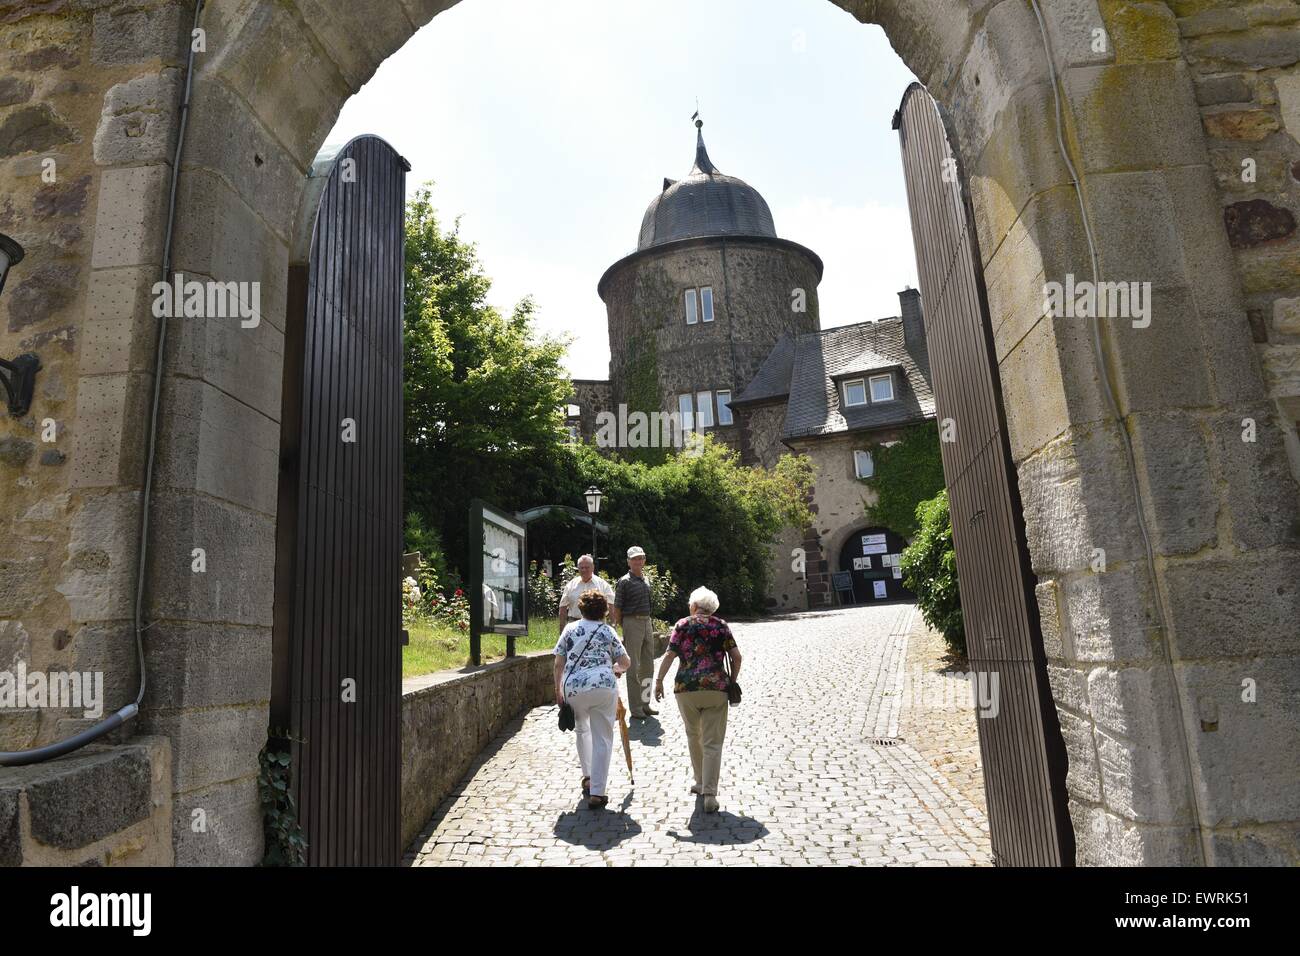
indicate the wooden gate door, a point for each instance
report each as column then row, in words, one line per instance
column 337, row 678
column 1021, row 747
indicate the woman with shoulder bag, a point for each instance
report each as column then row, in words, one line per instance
column 589, row 658
column 703, row 645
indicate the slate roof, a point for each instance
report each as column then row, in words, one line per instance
column 821, row 359
column 772, row 380
column 705, row 203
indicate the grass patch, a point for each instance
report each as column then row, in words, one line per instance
column 434, row 648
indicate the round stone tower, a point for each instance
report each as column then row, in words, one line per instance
column 708, row 293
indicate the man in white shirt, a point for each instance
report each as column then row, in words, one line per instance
column 585, row 581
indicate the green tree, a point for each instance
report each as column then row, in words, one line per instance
column 484, row 392
column 907, row 473
column 930, row 571
column 702, row 516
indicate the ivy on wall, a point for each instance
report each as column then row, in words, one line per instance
column 907, row 473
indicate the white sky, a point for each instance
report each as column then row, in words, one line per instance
column 549, row 125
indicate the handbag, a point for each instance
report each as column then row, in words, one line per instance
column 567, row 720
column 733, row 688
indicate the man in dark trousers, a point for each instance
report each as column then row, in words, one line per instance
column 632, row 613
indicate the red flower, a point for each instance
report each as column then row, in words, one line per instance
column 459, row 592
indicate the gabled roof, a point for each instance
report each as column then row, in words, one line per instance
column 814, row 406
column 772, row 380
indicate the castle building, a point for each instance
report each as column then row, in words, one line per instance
column 715, row 317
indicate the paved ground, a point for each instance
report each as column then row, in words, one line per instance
column 803, row 783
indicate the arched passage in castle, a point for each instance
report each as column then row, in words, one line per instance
column 1161, row 771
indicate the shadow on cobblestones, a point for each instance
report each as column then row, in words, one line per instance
column 720, row 829
column 595, row 829
column 648, row 732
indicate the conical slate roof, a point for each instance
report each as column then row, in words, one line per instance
column 705, row 203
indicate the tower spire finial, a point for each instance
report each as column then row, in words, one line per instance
column 702, row 161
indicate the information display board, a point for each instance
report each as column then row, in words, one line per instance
column 498, row 576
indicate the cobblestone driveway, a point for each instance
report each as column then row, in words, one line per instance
column 802, row 782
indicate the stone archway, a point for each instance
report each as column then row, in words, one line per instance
column 1155, row 776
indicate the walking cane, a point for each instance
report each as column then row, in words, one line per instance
column 627, row 743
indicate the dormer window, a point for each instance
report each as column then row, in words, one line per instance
column 855, row 393
column 870, row 390
column 882, row 388
column 699, row 305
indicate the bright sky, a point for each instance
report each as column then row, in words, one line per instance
column 549, row 126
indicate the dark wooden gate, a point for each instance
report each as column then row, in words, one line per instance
column 1021, row 747
column 338, row 617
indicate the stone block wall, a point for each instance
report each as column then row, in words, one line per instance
column 654, row 353
column 449, row 717
column 102, row 806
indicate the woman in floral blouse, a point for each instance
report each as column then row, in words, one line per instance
column 699, row 644
column 588, row 661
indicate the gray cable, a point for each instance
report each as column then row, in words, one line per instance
column 94, row 732
column 1112, row 400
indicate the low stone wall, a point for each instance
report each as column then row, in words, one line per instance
column 102, row 806
column 449, row 717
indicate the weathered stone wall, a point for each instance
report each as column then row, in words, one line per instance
column 839, row 502
column 592, row 396
column 102, row 806
column 1245, row 64
column 449, row 717
column 752, row 283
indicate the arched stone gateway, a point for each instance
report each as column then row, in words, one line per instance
column 1165, row 110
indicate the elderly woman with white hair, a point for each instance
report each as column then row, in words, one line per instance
column 700, row 643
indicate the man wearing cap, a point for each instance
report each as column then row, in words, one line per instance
column 632, row 613
column 585, row 581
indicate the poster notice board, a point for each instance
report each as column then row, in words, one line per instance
column 498, row 586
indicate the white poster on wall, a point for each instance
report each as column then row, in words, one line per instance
column 861, row 564
column 874, row 544
column 898, row 573
column 879, row 588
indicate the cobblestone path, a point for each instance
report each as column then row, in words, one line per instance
column 803, row 782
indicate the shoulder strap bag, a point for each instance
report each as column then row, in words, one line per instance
column 733, row 688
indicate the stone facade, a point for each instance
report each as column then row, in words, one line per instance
column 1168, row 763
column 102, row 806
column 591, row 396
column 655, row 355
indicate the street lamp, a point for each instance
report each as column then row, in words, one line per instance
column 20, row 381
column 593, row 508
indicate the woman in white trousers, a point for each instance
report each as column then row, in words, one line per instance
column 589, row 658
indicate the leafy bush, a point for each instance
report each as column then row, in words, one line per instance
column 930, row 571
column 543, row 592
column 702, row 517
column 450, row 611
column 283, row 839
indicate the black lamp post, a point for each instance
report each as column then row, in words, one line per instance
column 594, row 497
column 19, row 376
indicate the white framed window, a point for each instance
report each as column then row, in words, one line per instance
column 706, row 303
column 724, row 406
column 863, row 464
column 686, row 409
column 704, row 408
column 855, row 393
column 692, row 311
column 882, row 388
